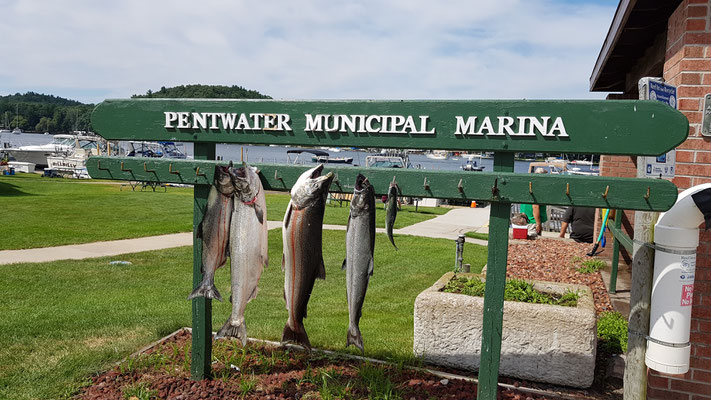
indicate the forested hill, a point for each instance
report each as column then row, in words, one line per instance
column 47, row 113
column 204, row 92
column 43, row 113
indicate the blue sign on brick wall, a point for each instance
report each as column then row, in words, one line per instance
column 662, row 92
column 663, row 165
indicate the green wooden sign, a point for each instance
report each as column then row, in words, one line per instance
column 505, row 127
column 597, row 127
column 583, row 191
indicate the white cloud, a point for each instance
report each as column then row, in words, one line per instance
column 316, row 49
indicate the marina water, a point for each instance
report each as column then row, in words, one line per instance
column 277, row 154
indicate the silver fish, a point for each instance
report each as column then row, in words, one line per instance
column 214, row 231
column 302, row 260
column 360, row 243
column 391, row 211
column 248, row 247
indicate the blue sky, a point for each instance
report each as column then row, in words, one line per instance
column 404, row 49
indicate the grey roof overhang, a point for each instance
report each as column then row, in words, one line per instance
column 635, row 26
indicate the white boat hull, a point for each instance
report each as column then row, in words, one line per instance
column 30, row 156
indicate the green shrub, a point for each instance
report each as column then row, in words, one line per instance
column 516, row 290
column 612, row 332
column 592, row 265
column 139, row 390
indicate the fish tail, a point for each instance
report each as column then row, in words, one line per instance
column 236, row 330
column 354, row 337
column 390, row 236
column 297, row 336
column 206, row 289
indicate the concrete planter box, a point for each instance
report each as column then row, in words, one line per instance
column 540, row 342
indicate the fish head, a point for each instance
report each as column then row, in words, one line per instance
column 363, row 196
column 223, row 181
column 311, row 187
column 245, row 181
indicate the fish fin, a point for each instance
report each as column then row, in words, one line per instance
column 321, row 271
column 287, row 216
column 392, row 241
column 260, row 214
column 254, row 294
column 370, row 267
column 198, row 234
column 207, row 290
column 238, row 331
column 343, row 267
column 265, row 261
column 297, row 337
column 354, row 338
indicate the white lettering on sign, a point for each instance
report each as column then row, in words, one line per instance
column 508, row 126
column 513, row 127
column 227, row 121
column 391, row 124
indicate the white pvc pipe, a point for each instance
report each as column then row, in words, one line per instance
column 676, row 236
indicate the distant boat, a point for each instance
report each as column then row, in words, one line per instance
column 388, row 159
column 17, row 131
column 437, row 155
column 319, row 156
column 60, row 145
column 473, row 164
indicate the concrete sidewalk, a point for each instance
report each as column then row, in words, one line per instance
column 448, row 226
column 115, row 247
column 456, row 222
column 96, row 249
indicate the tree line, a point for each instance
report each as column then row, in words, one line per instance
column 47, row 113
column 203, row 92
column 44, row 113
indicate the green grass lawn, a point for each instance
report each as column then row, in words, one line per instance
column 338, row 215
column 63, row 321
column 44, row 212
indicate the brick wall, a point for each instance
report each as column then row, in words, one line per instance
column 688, row 66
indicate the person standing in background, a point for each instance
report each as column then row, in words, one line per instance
column 582, row 221
column 536, row 214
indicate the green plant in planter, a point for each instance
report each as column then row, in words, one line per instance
column 516, row 290
column 592, row 265
column 612, row 332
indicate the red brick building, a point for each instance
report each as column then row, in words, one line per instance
column 669, row 39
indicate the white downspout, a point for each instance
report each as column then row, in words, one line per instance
column 676, row 236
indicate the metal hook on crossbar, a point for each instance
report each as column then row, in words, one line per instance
column 103, row 169
column 646, row 196
column 145, row 168
column 276, row 175
column 530, row 187
column 460, row 187
column 607, row 189
column 197, row 172
column 125, row 170
column 567, row 189
column 170, row 169
column 495, row 188
column 426, row 184
column 393, row 179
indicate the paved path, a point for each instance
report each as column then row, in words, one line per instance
column 447, row 226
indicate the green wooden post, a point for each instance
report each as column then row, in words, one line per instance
column 499, row 217
column 202, row 307
column 615, row 253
